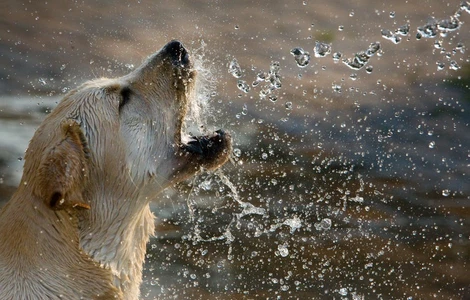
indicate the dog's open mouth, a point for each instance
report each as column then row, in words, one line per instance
column 208, row 151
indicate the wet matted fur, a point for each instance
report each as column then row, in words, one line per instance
column 78, row 224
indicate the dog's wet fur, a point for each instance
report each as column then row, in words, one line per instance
column 78, row 224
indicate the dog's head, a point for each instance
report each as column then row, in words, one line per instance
column 122, row 136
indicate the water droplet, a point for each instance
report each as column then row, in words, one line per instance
column 450, row 24
column 373, row 49
column 337, row 56
column 343, row 291
column 324, row 224
column 336, row 88
column 432, row 144
column 264, row 92
column 446, row 193
column 460, row 47
column 272, row 98
column 351, row 14
column 237, row 152
column 243, row 86
column 283, row 250
column 42, row 81
column 353, row 76
column 234, row 68
column 302, row 58
column 358, row 62
column 261, row 76
column 340, row 27
column 264, row 155
column 392, row 14
column 427, row 31
column 294, row 224
column 389, row 35
column 322, row 49
column 453, row 65
column 465, row 6
column 237, row 27
column 206, row 185
column 357, row 199
column 244, row 109
column 440, row 66
column 273, row 76
column 288, row 105
column 274, row 67
column 403, row 30
column 369, row 69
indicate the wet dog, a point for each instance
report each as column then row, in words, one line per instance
column 78, row 224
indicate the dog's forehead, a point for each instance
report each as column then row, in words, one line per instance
column 93, row 92
column 100, row 86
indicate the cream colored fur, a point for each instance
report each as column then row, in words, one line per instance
column 78, row 225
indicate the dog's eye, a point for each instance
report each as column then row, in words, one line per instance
column 125, row 97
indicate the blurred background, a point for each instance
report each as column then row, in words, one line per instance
column 350, row 172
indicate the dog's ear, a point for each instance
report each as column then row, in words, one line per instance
column 63, row 170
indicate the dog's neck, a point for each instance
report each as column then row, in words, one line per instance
column 118, row 242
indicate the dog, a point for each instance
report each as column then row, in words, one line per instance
column 78, row 224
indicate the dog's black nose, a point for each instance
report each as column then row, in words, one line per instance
column 177, row 52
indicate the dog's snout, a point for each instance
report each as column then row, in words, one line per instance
column 177, row 52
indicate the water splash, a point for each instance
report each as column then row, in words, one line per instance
column 283, row 250
column 273, row 76
column 324, row 224
column 234, row 68
column 403, row 30
column 427, row 31
column 337, row 56
column 243, row 86
column 361, row 58
column 321, row 49
column 448, row 25
column 389, row 35
column 453, row 65
column 205, row 87
column 465, row 6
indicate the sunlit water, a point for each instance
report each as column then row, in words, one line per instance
column 367, row 201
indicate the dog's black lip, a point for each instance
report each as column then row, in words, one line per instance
column 202, row 144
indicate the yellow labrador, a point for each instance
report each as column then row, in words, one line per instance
column 79, row 222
